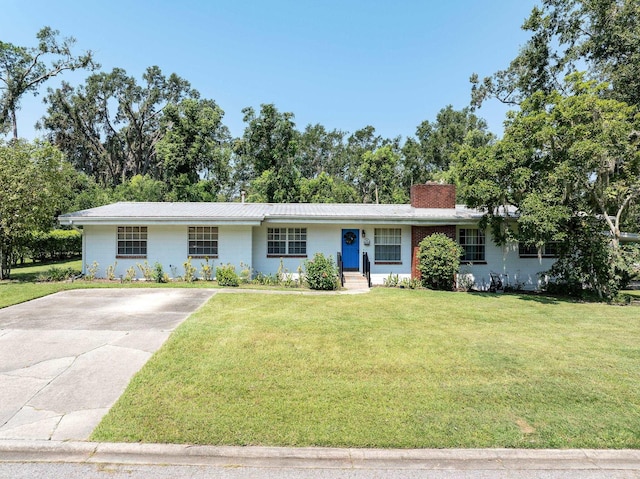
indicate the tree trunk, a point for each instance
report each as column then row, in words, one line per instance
column 14, row 124
column 5, row 264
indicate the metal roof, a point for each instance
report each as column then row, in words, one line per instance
column 256, row 213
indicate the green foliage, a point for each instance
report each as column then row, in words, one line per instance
column 57, row 274
column 246, row 272
column 195, row 144
column 266, row 279
column 226, row 275
column 326, row 189
column 189, row 271
column 130, row 274
column 601, row 36
column 379, row 176
column 321, row 273
column 111, row 271
column 206, row 269
column 589, row 265
column 34, row 179
column 53, row 245
column 439, row 261
column 158, row 274
column 391, row 281
column 24, row 70
column 121, row 122
column 140, row 188
column 91, row 271
column 437, row 143
column 146, row 270
column 558, row 163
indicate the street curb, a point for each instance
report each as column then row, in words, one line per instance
column 318, row 457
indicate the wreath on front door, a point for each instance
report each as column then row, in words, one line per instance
column 349, row 237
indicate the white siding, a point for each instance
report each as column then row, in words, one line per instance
column 246, row 245
column 505, row 261
column 327, row 239
column 167, row 245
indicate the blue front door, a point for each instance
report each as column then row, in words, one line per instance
column 351, row 250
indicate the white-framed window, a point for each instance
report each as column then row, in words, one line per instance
column 548, row 250
column 472, row 242
column 387, row 244
column 287, row 241
column 132, row 241
column 203, row 241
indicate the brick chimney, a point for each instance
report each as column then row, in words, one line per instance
column 433, row 195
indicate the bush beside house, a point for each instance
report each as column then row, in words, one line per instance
column 438, row 261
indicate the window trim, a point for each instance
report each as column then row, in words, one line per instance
column 294, row 241
column 480, row 244
column 389, row 233
column 213, row 231
column 141, row 236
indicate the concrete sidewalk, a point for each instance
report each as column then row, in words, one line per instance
column 321, row 458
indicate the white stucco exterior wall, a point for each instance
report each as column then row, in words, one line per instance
column 166, row 244
column 506, row 261
column 327, row 239
column 247, row 245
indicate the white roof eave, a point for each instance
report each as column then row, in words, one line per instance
column 81, row 221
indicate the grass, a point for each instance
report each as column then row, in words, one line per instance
column 23, row 286
column 393, row 368
column 30, row 271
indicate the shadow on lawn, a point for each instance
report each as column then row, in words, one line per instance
column 532, row 297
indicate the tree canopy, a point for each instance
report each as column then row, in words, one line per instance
column 24, row 70
column 35, row 180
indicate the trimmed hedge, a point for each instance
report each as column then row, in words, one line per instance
column 54, row 245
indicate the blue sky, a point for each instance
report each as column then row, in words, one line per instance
column 343, row 64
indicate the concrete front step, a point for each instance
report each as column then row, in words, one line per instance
column 354, row 280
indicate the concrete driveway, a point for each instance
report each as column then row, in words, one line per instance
column 66, row 358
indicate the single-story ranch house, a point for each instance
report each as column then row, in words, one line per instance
column 261, row 235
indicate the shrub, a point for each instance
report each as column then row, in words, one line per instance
column 206, row 269
column 321, row 273
column 158, row 273
column 189, row 271
column 391, row 281
column 53, row 245
column 111, row 271
column 227, row 276
column 57, row 274
column 130, row 274
column 439, row 260
column 146, row 270
column 245, row 273
column 92, row 271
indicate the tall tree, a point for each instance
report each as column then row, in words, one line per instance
column 110, row 126
column 195, row 145
column 379, row 176
column 24, row 70
column 601, row 35
column 562, row 159
column 35, row 181
column 321, row 151
column 268, row 153
column 325, row 188
column 436, row 144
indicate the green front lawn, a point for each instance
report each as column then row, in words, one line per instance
column 393, row 368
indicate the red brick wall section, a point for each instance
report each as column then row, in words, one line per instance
column 418, row 233
column 433, row 195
